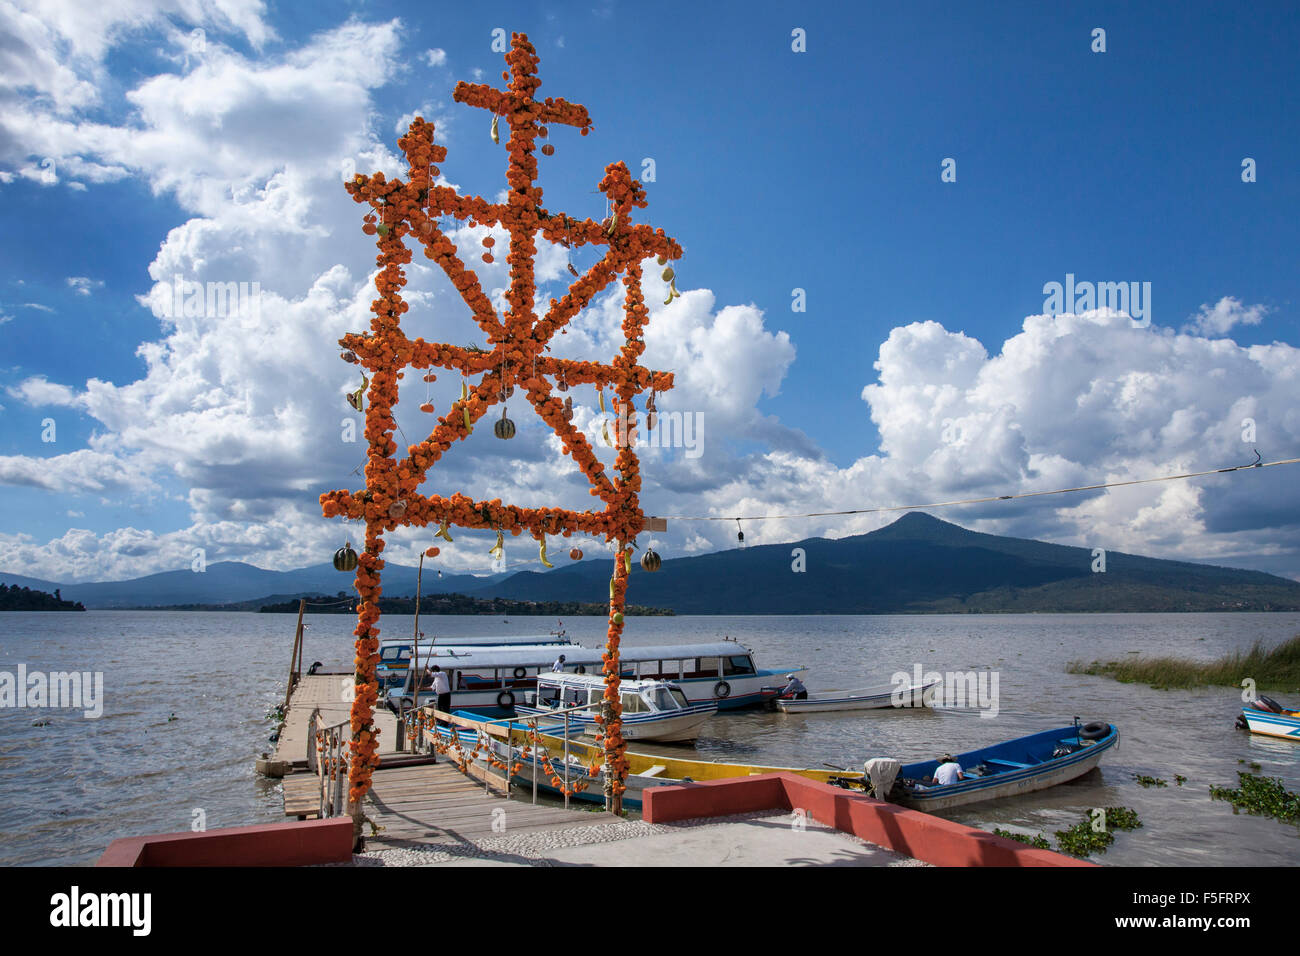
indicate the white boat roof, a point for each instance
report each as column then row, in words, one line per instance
column 596, row 680
column 539, row 655
column 481, row 640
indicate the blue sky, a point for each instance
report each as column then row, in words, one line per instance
column 129, row 154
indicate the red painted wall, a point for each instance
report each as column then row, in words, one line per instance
column 274, row 844
column 919, row 835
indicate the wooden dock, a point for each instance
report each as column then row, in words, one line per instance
column 413, row 801
column 325, row 692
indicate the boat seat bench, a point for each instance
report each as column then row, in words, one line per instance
column 1014, row 765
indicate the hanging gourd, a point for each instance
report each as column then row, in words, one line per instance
column 504, row 428
column 345, row 559
column 576, row 554
column 427, row 407
column 432, row 552
column 568, row 409
column 650, row 561
column 357, row 399
column 397, row 509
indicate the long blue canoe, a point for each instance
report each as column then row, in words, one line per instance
column 1008, row 769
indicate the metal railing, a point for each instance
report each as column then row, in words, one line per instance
column 504, row 727
column 327, row 757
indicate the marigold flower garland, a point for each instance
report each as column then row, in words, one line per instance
column 517, row 355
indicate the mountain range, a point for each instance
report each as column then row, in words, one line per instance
column 918, row 564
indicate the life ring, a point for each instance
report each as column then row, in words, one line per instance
column 521, row 673
column 580, row 669
column 505, row 699
column 1094, row 730
column 722, row 690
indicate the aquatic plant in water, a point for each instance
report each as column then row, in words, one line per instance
column 1037, row 841
column 1087, row 837
column 1261, row 796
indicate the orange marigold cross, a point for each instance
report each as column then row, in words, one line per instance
column 516, row 356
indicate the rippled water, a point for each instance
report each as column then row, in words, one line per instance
column 68, row 788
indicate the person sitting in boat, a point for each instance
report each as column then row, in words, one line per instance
column 948, row 772
column 794, row 690
column 558, row 666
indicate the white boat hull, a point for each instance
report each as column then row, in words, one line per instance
column 876, row 698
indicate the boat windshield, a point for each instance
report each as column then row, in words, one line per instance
column 667, row 699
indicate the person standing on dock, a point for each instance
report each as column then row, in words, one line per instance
column 442, row 688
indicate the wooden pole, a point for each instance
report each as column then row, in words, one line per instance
column 415, row 649
column 295, row 658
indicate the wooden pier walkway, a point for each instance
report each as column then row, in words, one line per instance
column 414, row 802
column 325, row 692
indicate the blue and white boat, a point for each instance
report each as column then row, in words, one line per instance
column 1007, row 769
column 488, row 678
column 1267, row 717
column 652, row 709
column 395, row 655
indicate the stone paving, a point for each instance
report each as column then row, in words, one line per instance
column 752, row 839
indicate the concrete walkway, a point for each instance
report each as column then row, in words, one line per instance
column 756, row 839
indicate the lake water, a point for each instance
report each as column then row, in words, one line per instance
column 186, row 696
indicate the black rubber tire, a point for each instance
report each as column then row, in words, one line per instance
column 314, row 667
column 521, row 673
column 580, row 669
column 505, row 699
column 406, row 703
column 1094, row 730
column 721, row 690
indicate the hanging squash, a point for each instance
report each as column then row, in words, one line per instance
column 397, row 509
column 576, row 554
column 504, row 428
column 345, row 559
column 650, row 561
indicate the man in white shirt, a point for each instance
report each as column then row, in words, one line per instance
column 442, row 687
column 948, row 772
column 558, row 666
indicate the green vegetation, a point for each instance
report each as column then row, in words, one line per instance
column 1261, row 796
column 16, row 598
column 1121, row 818
column 1145, row 781
column 1038, row 841
column 1086, row 838
column 1278, row 669
column 463, row 604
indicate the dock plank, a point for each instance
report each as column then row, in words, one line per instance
column 414, row 804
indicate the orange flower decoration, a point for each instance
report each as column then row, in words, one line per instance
column 517, row 355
